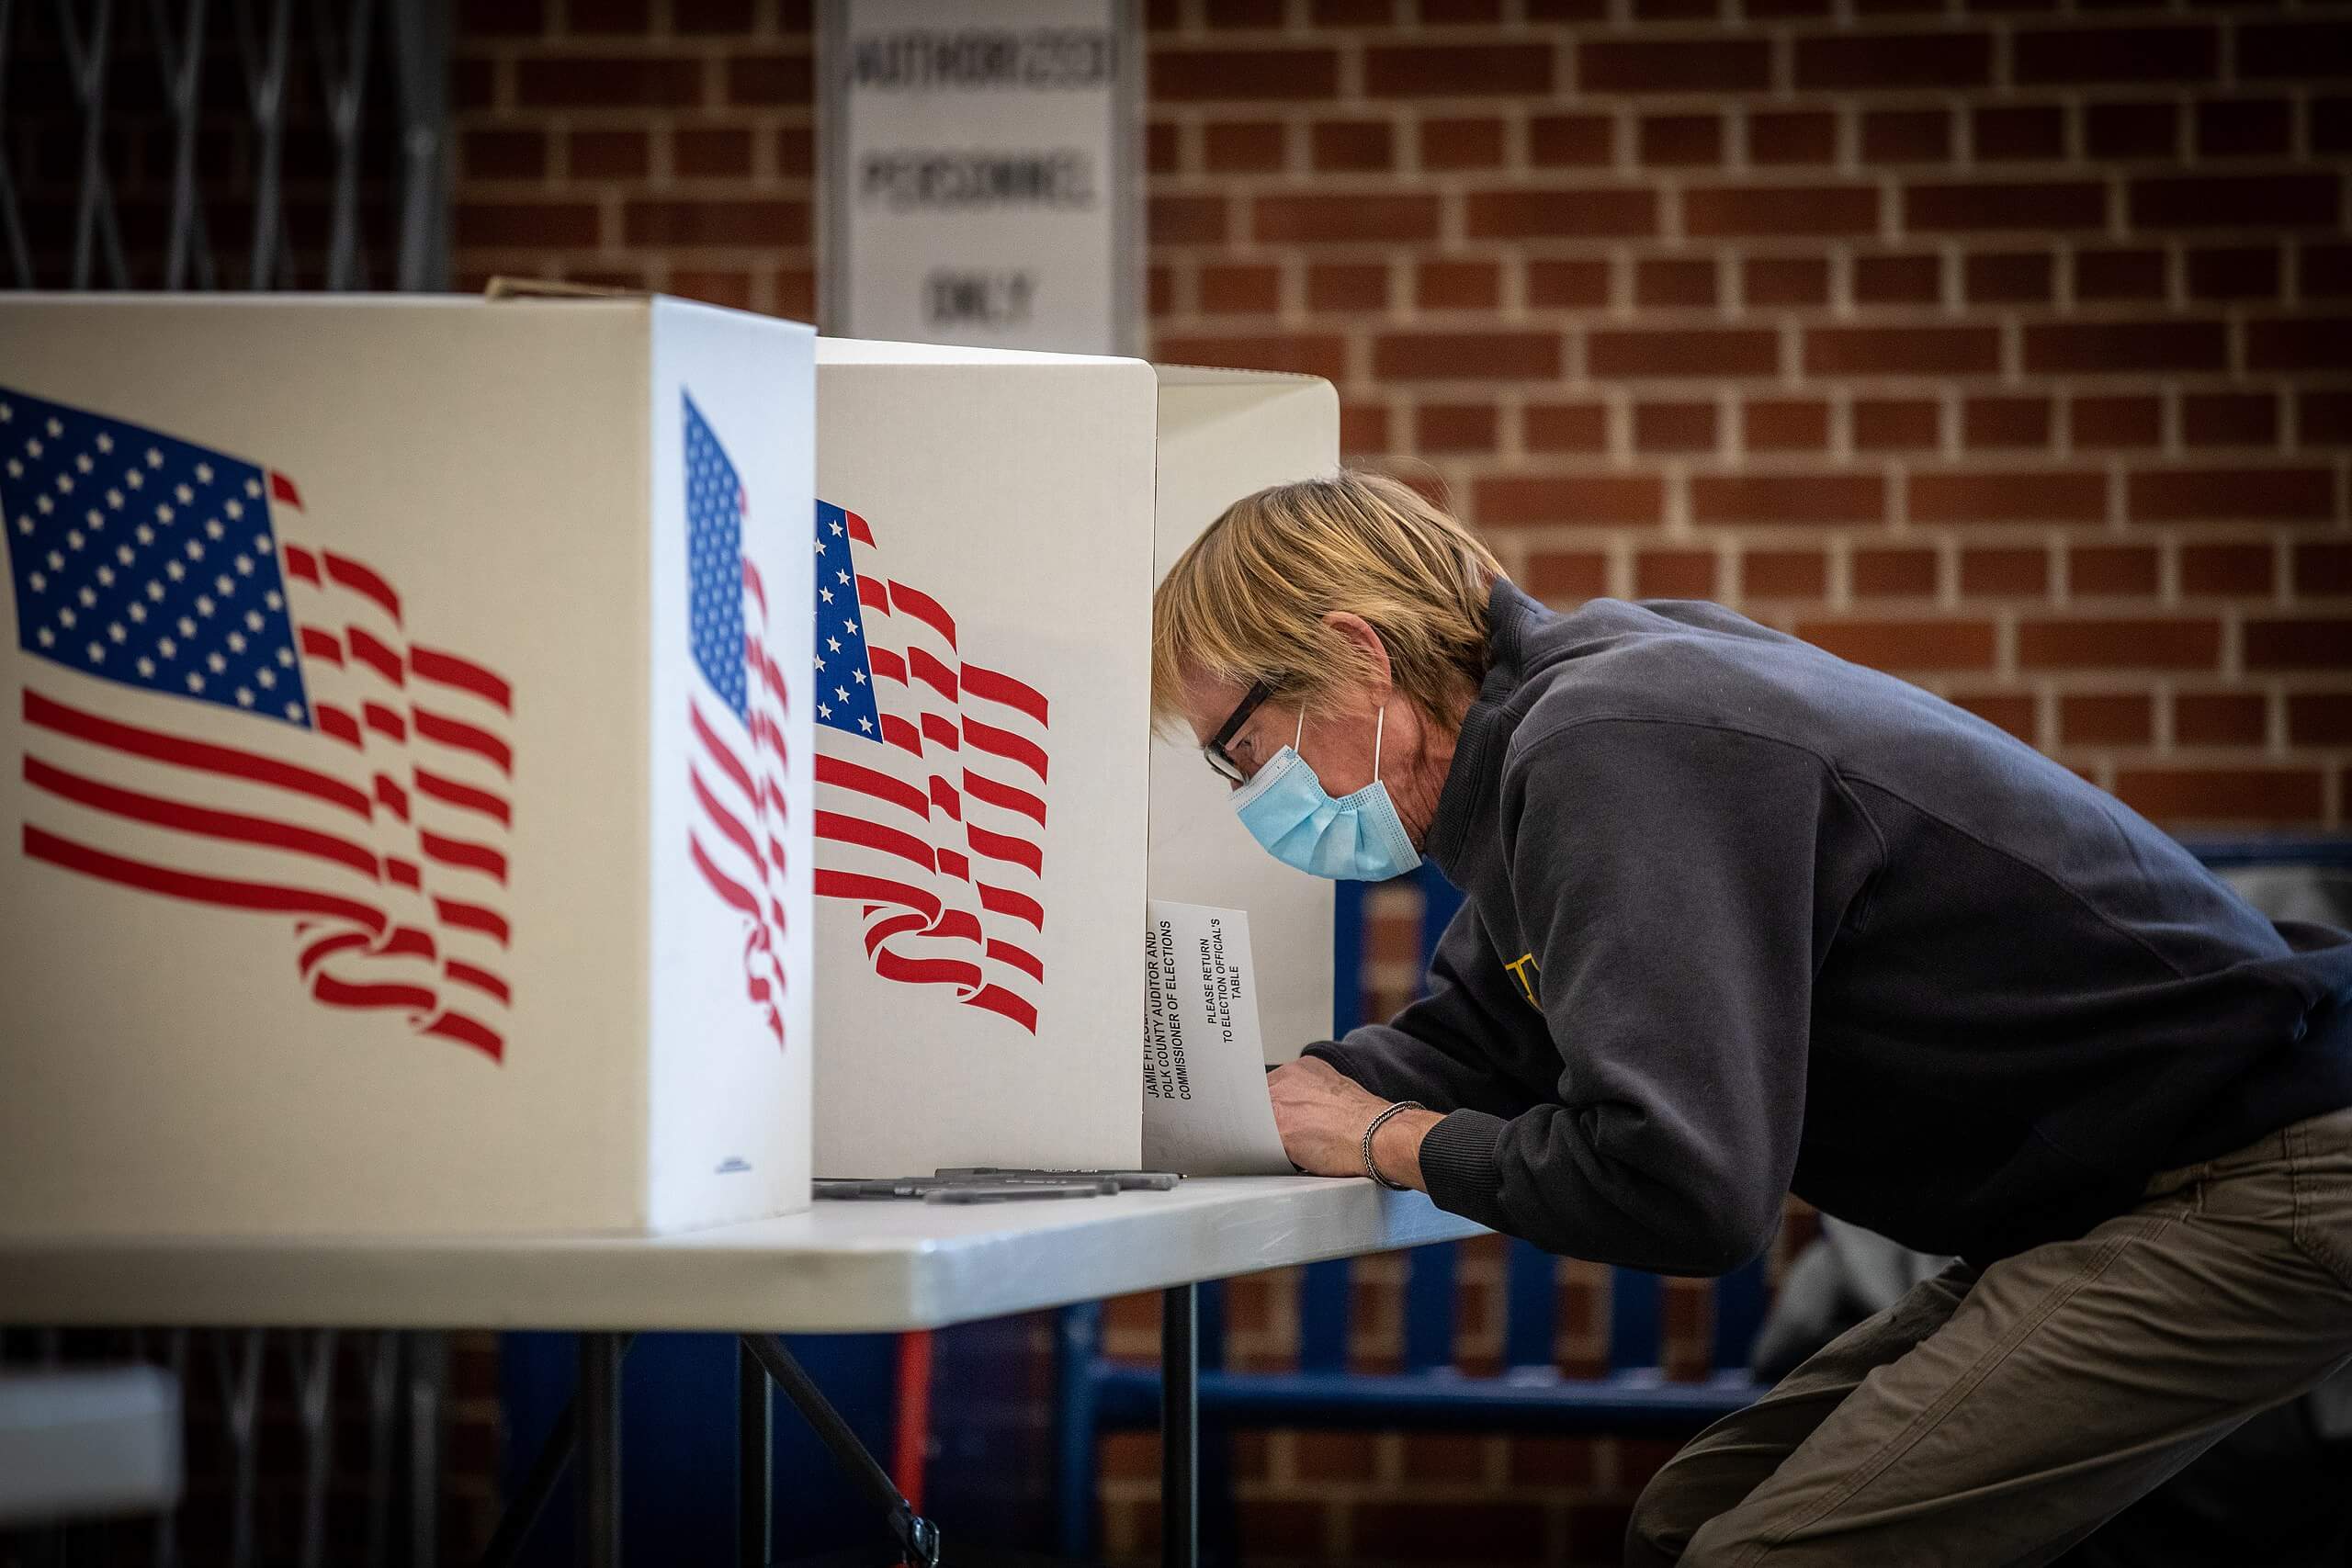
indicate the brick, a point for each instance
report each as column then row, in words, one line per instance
column 712, row 153
column 1579, row 140
column 1458, row 285
column 2280, row 51
column 2106, row 718
column 2112, row 347
column 2119, row 275
column 2324, row 569
column 577, row 81
column 2116, row 424
column 696, row 18
column 1898, row 280
column 525, row 225
column 2131, row 131
column 2325, row 419
column 1883, row 61
column 2217, row 795
column 1434, row 71
column 769, row 79
column 608, row 154
column 1461, row 143
column 1674, row 281
column 2235, row 201
column 1163, row 147
column 1674, row 427
column 1564, row 427
column 1680, row 140
column 1985, row 205
column 2018, row 133
column 505, row 18
column 2305, row 342
column 2326, row 272
column 2111, row 571
column 2243, row 127
column 2226, row 719
column 1902, row 351
column 2009, row 278
column 1555, row 1462
column 2229, row 495
column 1695, row 65
column 1455, row 428
column 1350, row 286
column 2014, row 714
column 1672, row 574
column 1729, row 351
column 1784, row 424
column 1567, row 10
column 1891, row 424
column 1906, row 136
column 1568, row 577
column 2228, row 419
column 2027, row 495
column 2301, row 644
column 1608, row 500
column 1244, row 13
column 1305, row 354
column 2238, row 273
column 1826, row 498
column 2318, row 718
column 1484, row 1531
column 1717, row 211
column 1345, row 13
column 2120, row 644
column 1283, row 1526
column 1241, row 290
column 716, row 285
column 1333, row 1456
column 2228, row 569
column 795, row 150
column 1600, row 212
column 1804, row 137
column 1456, row 13
column 1313, row 219
column 1187, row 219
column 1129, row 1455
column 1255, row 146
column 1784, row 280
column 1906, row 646
column 1578, row 284
column 1776, row 10
column 2005, row 574
column 1201, row 75
column 1455, row 356
column 1999, row 422
column 795, row 290
column 2332, row 124
column 608, row 15
column 503, row 155
column 1363, row 428
column 1352, row 144
column 2128, row 55
column 473, row 84
column 1783, row 574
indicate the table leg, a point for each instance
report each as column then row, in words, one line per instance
column 1179, row 1427
column 600, row 1450
column 754, row 1463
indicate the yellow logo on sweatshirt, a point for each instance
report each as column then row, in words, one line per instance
column 1527, row 972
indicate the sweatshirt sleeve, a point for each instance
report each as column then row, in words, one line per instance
column 1665, row 879
column 1438, row 1049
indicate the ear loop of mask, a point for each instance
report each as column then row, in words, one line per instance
column 1378, row 725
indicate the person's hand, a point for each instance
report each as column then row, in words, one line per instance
column 1321, row 1114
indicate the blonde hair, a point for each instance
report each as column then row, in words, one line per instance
column 1246, row 601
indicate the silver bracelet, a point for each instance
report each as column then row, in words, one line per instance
column 1373, row 1170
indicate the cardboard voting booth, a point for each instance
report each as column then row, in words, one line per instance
column 990, row 810
column 407, row 752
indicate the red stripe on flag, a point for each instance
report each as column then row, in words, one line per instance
column 724, row 819
column 1019, row 958
column 868, row 781
column 998, row 846
column 857, row 528
column 282, row 489
column 759, row 589
column 901, row 734
column 318, row 643
column 932, row 672
column 348, row 573
column 1005, row 743
column 940, row 731
column 408, row 940
column 221, row 891
column 942, row 796
column 465, row 1031
column 472, row 917
column 448, row 669
column 876, row 890
column 1004, row 689
column 337, row 993
column 871, row 594
column 463, row 853
column 391, row 797
column 924, row 971
column 203, row 756
column 332, row 721
column 731, row 892
column 955, row 865
column 202, row 821
column 301, row 563
column 1005, row 796
column 887, row 666
column 924, row 608
column 464, row 736
column 722, row 753
column 385, row 722
column 450, row 792
column 326, row 946
column 403, row 874
column 1018, row 905
column 846, row 829
column 961, row 925
column 375, row 654
column 997, row 1000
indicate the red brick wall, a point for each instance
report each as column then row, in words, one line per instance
column 2004, row 343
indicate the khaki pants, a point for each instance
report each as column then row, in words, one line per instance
column 1999, row 1416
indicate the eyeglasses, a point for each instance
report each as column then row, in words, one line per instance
column 1227, row 768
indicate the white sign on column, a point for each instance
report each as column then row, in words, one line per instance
column 980, row 184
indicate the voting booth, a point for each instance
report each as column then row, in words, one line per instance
column 405, row 819
column 990, row 805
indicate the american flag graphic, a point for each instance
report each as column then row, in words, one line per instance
column 267, row 740
column 737, row 770
column 931, row 778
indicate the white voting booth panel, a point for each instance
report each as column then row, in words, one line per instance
column 1224, row 433
column 987, row 808
column 407, row 743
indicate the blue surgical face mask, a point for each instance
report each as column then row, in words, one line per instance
column 1359, row 839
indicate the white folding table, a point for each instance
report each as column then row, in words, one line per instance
column 840, row 1267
